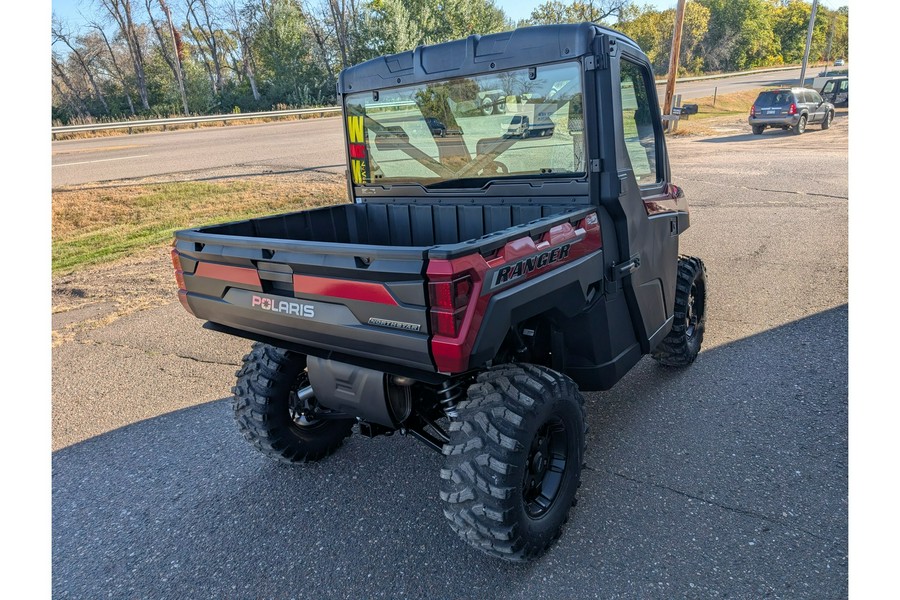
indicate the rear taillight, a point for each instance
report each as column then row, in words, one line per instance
column 449, row 300
column 179, row 272
column 752, row 111
column 793, row 109
column 179, row 278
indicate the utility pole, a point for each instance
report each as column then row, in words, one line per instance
column 673, row 58
column 812, row 22
column 830, row 38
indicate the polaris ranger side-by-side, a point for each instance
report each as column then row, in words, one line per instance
column 476, row 283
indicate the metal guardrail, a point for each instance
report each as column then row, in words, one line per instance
column 272, row 114
column 727, row 75
column 275, row 114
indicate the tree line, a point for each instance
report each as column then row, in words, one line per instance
column 151, row 58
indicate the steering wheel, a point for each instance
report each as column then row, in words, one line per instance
column 495, row 167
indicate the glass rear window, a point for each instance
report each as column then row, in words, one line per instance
column 464, row 132
column 772, row 99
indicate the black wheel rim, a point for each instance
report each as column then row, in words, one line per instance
column 694, row 310
column 545, row 467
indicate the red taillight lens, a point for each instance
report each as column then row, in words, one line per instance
column 447, row 323
column 452, row 294
column 179, row 272
column 752, row 111
column 449, row 301
column 357, row 151
column 793, row 109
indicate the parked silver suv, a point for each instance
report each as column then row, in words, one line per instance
column 792, row 108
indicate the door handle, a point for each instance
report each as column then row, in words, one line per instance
column 622, row 270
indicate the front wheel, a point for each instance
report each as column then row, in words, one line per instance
column 829, row 116
column 682, row 345
column 513, row 462
column 276, row 411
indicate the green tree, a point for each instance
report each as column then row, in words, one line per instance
column 289, row 70
column 597, row 11
column 740, row 35
column 652, row 30
column 400, row 25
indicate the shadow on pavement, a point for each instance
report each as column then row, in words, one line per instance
column 728, row 478
column 769, row 133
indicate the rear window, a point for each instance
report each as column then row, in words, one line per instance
column 767, row 99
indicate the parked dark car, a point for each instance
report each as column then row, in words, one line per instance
column 437, row 128
column 837, row 91
column 793, row 109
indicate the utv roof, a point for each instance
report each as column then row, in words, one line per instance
column 477, row 54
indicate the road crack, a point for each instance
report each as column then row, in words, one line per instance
column 90, row 342
column 756, row 189
column 734, row 509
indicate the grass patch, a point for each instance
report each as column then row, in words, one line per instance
column 737, row 103
column 91, row 226
column 729, row 108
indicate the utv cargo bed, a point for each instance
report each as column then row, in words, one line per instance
column 348, row 280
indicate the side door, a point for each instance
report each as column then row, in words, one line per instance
column 651, row 211
column 842, row 96
column 819, row 103
column 805, row 100
column 828, row 90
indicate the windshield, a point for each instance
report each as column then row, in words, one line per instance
column 464, row 132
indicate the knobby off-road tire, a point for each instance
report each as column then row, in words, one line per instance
column 266, row 413
column 513, row 463
column 682, row 345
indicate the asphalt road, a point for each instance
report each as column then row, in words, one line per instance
column 724, row 480
column 281, row 147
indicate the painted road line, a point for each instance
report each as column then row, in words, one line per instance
column 87, row 162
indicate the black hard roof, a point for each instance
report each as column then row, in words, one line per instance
column 475, row 54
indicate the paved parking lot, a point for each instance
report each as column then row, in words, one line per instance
column 726, row 480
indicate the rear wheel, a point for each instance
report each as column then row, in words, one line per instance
column 758, row 129
column 275, row 409
column 800, row 127
column 682, row 345
column 829, row 116
column 513, row 462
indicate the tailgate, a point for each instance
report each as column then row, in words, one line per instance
column 359, row 300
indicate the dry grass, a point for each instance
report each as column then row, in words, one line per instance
column 729, row 110
column 95, row 225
